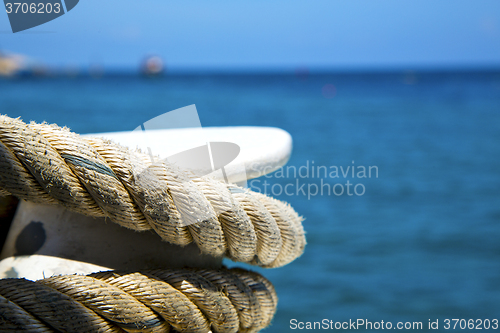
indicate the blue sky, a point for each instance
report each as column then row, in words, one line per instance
column 267, row 34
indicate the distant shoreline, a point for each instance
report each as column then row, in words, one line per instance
column 84, row 72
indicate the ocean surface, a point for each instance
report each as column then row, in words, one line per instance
column 417, row 239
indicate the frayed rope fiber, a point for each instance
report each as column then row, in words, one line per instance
column 166, row 300
column 51, row 165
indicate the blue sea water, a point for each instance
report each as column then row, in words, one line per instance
column 422, row 241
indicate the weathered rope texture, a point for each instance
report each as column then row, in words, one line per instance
column 179, row 300
column 51, row 165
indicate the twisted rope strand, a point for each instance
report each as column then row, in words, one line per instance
column 48, row 164
column 171, row 304
column 214, row 304
column 14, row 318
column 187, row 300
column 242, row 297
column 263, row 290
column 241, row 237
column 45, row 304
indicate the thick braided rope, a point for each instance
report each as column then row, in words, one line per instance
column 186, row 300
column 51, row 165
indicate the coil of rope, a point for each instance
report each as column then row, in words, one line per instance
column 47, row 164
column 51, row 165
column 168, row 300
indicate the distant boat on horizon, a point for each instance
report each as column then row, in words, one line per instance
column 152, row 66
